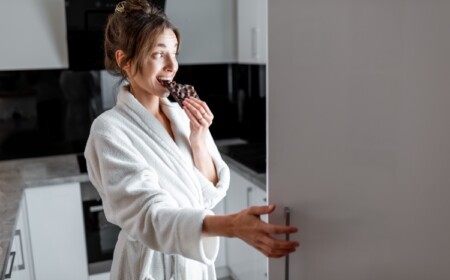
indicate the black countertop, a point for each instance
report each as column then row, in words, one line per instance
column 252, row 155
column 246, row 158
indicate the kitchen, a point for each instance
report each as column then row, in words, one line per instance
column 48, row 103
column 357, row 138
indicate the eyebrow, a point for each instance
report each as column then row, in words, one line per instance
column 164, row 45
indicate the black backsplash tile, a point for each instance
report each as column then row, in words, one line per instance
column 39, row 118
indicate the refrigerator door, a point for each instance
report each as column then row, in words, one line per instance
column 359, row 137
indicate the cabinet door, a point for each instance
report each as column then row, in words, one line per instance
column 57, row 232
column 42, row 29
column 239, row 254
column 252, row 31
column 244, row 261
column 207, row 30
column 22, row 266
column 101, row 276
column 221, row 261
column 259, row 198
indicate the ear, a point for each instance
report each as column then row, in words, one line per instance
column 120, row 56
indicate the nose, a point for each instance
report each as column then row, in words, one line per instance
column 171, row 64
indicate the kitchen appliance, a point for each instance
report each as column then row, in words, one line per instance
column 86, row 21
column 101, row 235
column 358, row 135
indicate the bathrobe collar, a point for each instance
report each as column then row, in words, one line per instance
column 178, row 149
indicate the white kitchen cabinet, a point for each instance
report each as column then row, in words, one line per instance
column 259, row 197
column 40, row 29
column 220, row 31
column 20, row 263
column 207, row 30
column 100, row 276
column 57, row 232
column 244, row 261
column 252, row 31
column 221, row 262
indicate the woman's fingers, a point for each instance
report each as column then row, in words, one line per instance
column 202, row 104
column 271, row 252
column 259, row 234
column 194, row 120
column 261, row 210
column 277, row 229
column 199, row 109
column 271, row 247
column 279, row 244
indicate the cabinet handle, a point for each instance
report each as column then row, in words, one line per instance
column 255, row 43
column 22, row 265
column 96, row 208
column 249, row 190
column 12, row 255
column 287, row 215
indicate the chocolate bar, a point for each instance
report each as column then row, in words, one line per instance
column 179, row 91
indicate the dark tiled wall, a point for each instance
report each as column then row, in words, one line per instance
column 48, row 112
column 235, row 94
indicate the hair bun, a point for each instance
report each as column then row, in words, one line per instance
column 133, row 6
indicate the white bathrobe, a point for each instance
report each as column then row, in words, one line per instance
column 152, row 190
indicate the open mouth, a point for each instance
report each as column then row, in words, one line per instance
column 164, row 81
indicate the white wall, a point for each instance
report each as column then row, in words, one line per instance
column 33, row 35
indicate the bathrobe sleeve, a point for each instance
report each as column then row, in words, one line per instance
column 134, row 200
column 214, row 194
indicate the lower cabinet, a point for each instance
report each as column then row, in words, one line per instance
column 100, row 276
column 221, row 262
column 57, row 232
column 49, row 241
column 244, row 261
column 20, row 265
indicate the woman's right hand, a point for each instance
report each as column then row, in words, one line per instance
column 248, row 226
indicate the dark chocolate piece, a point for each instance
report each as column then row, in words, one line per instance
column 179, row 91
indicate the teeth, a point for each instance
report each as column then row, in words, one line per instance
column 164, row 79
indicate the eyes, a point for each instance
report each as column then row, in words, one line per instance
column 161, row 54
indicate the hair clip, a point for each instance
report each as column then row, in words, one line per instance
column 120, row 7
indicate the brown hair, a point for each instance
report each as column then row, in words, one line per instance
column 133, row 28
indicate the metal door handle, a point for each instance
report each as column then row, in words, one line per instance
column 254, row 42
column 22, row 265
column 287, row 216
column 96, row 208
column 13, row 255
column 249, row 190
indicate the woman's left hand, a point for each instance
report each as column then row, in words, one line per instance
column 200, row 117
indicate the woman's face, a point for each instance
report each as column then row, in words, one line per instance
column 160, row 64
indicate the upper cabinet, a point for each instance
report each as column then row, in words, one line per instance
column 252, row 31
column 207, row 30
column 33, row 35
column 220, row 31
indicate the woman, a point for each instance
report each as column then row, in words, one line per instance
column 156, row 166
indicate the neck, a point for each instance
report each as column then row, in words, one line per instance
column 150, row 102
